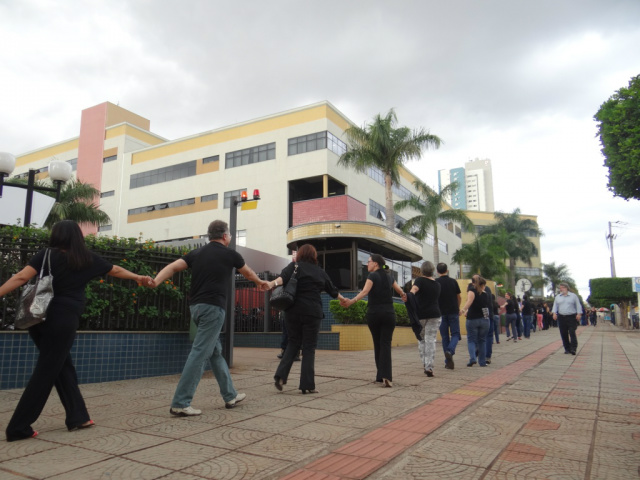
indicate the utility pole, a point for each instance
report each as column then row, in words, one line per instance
column 610, row 238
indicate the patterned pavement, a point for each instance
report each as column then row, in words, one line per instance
column 534, row 413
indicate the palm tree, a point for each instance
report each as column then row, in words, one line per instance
column 484, row 256
column 431, row 208
column 555, row 274
column 382, row 145
column 514, row 232
column 76, row 203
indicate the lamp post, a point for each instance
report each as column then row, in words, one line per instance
column 59, row 173
column 229, row 322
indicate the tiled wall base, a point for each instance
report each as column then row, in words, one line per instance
column 110, row 356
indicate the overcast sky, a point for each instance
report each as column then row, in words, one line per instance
column 517, row 82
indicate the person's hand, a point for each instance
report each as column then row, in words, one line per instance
column 264, row 285
column 345, row 302
column 145, row 281
column 404, row 297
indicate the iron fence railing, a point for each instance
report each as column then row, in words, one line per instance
column 119, row 305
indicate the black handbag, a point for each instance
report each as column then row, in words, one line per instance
column 283, row 296
column 35, row 297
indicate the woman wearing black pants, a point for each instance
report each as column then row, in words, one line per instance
column 304, row 316
column 381, row 316
column 72, row 266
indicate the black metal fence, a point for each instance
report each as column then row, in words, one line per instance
column 120, row 305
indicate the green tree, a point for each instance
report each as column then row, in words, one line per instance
column 513, row 231
column 619, row 131
column 618, row 290
column 556, row 274
column 431, row 208
column 383, row 145
column 77, row 204
column 483, row 256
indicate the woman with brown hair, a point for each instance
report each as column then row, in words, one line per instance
column 304, row 316
column 477, row 312
column 381, row 316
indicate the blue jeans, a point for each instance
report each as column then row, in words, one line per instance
column 206, row 348
column 519, row 325
column 496, row 327
column 476, row 339
column 489, row 339
column 450, row 332
column 527, row 325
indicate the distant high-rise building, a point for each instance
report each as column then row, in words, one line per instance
column 474, row 185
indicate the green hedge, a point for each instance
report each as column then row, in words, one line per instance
column 356, row 313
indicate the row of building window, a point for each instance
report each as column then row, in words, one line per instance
column 238, row 158
column 165, row 174
column 398, row 190
column 380, row 212
column 162, row 206
column 316, row 141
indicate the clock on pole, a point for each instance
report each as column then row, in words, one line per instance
column 522, row 286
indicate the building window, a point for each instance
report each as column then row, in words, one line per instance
column 111, row 158
column 443, row 246
column 251, row 155
column 110, row 193
column 233, row 193
column 430, row 239
column 160, row 175
column 209, row 198
column 74, row 164
column 162, row 206
column 399, row 190
column 104, row 228
column 241, row 238
column 215, row 158
column 316, row 141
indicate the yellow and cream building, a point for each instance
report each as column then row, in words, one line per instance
column 168, row 190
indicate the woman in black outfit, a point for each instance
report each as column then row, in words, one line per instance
column 381, row 316
column 304, row 316
column 72, row 266
column 512, row 315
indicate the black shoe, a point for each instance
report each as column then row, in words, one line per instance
column 488, row 361
column 471, row 363
column 278, row 383
column 567, row 352
column 573, row 352
column 448, row 360
column 429, row 373
column 281, row 354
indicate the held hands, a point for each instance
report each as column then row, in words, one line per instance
column 346, row 302
column 145, row 281
column 263, row 286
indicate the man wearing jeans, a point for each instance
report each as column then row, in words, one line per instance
column 449, row 302
column 212, row 266
column 567, row 311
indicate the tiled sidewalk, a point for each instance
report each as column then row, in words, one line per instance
column 533, row 413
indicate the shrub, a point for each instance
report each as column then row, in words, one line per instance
column 356, row 314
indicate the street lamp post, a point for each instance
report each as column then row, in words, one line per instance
column 59, row 173
column 229, row 322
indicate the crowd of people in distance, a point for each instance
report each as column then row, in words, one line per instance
column 433, row 302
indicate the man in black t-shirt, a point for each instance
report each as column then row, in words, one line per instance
column 212, row 267
column 449, row 302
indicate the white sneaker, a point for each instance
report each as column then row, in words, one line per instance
column 185, row 412
column 232, row 403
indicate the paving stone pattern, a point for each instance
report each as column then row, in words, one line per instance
column 534, row 413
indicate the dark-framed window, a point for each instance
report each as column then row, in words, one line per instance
column 110, row 193
column 110, row 158
column 165, row 174
column 209, row 198
column 316, row 141
column 214, row 158
column 232, row 193
column 162, row 206
column 247, row 156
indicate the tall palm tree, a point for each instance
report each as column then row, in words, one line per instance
column 380, row 144
column 431, row 208
column 515, row 231
column 77, row 203
column 556, row 274
column 484, row 256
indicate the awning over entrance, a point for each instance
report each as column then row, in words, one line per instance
column 389, row 243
